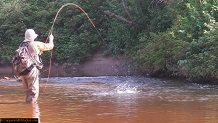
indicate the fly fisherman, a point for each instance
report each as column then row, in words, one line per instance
column 31, row 80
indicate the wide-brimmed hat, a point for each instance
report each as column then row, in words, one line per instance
column 30, row 34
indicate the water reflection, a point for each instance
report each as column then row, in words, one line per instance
column 18, row 109
column 35, row 111
column 12, row 103
column 31, row 110
column 114, row 100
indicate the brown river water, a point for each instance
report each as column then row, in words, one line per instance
column 113, row 99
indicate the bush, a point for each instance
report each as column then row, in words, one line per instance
column 188, row 48
column 160, row 52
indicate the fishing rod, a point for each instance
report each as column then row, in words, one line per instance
column 51, row 30
column 65, row 5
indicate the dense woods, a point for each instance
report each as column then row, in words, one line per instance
column 161, row 37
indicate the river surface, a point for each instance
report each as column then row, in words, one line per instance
column 113, row 99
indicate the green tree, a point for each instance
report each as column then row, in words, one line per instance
column 188, row 48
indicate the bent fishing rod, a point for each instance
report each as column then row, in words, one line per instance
column 51, row 30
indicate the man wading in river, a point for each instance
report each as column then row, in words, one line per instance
column 31, row 79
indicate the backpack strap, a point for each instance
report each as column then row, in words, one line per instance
column 26, row 71
column 26, row 45
column 23, row 44
column 37, row 63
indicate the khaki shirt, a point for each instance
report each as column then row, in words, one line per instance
column 40, row 46
column 36, row 48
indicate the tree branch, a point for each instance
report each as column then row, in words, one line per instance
column 132, row 23
column 123, row 2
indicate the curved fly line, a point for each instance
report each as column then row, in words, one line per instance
column 51, row 30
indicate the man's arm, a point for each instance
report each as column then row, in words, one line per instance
column 45, row 46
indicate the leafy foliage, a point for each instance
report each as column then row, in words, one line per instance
column 75, row 38
column 188, row 48
column 176, row 37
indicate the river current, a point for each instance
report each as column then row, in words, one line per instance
column 113, row 99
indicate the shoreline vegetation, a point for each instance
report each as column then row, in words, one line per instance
column 161, row 38
column 97, row 65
